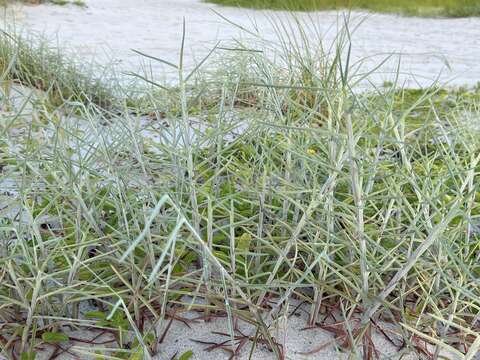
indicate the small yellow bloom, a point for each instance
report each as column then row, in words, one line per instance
column 311, row 151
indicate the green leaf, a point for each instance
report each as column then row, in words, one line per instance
column 137, row 354
column 190, row 257
column 118, row 320
column 186, row 355
column 243, row 242
column 28, row 356
column 54, row 337
column 95, row 315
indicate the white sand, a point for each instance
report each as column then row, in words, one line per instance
column 110, row 28
column 298, row 341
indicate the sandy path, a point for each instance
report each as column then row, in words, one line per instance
column 110, row 28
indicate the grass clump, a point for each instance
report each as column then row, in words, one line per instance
column 35, row 63
column 37, row 2
column 449, row 8
column 287, row 186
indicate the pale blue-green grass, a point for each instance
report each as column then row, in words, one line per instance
column 366, row 202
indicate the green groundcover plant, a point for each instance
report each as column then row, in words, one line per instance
column 449, row 8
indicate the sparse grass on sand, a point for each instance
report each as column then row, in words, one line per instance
column 36, row 2
column 295, row 186
column 449, row 8
column 35, row 63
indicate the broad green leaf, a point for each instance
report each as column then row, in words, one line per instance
column 186, row 355
column 28, row 356
column 54, row 337
column 243, row 242
column 95, row 315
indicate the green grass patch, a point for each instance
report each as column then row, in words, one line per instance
column 35, row 63
column 449, row 8
column 36, row 2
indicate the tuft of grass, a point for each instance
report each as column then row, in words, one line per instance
column 36, row 2
column 428, row 8
column 35, row 63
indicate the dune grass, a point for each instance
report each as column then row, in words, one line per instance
column 32, row 61
column 295, row 186
column 449, row 8
column 36, row 2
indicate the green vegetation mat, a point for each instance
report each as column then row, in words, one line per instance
column 449, row 8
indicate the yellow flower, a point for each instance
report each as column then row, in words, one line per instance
column 311, row 151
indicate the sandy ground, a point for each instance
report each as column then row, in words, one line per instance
column 211, row 339
column 447, row 49
column 203, row 339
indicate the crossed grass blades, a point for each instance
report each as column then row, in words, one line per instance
column 250, row 185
